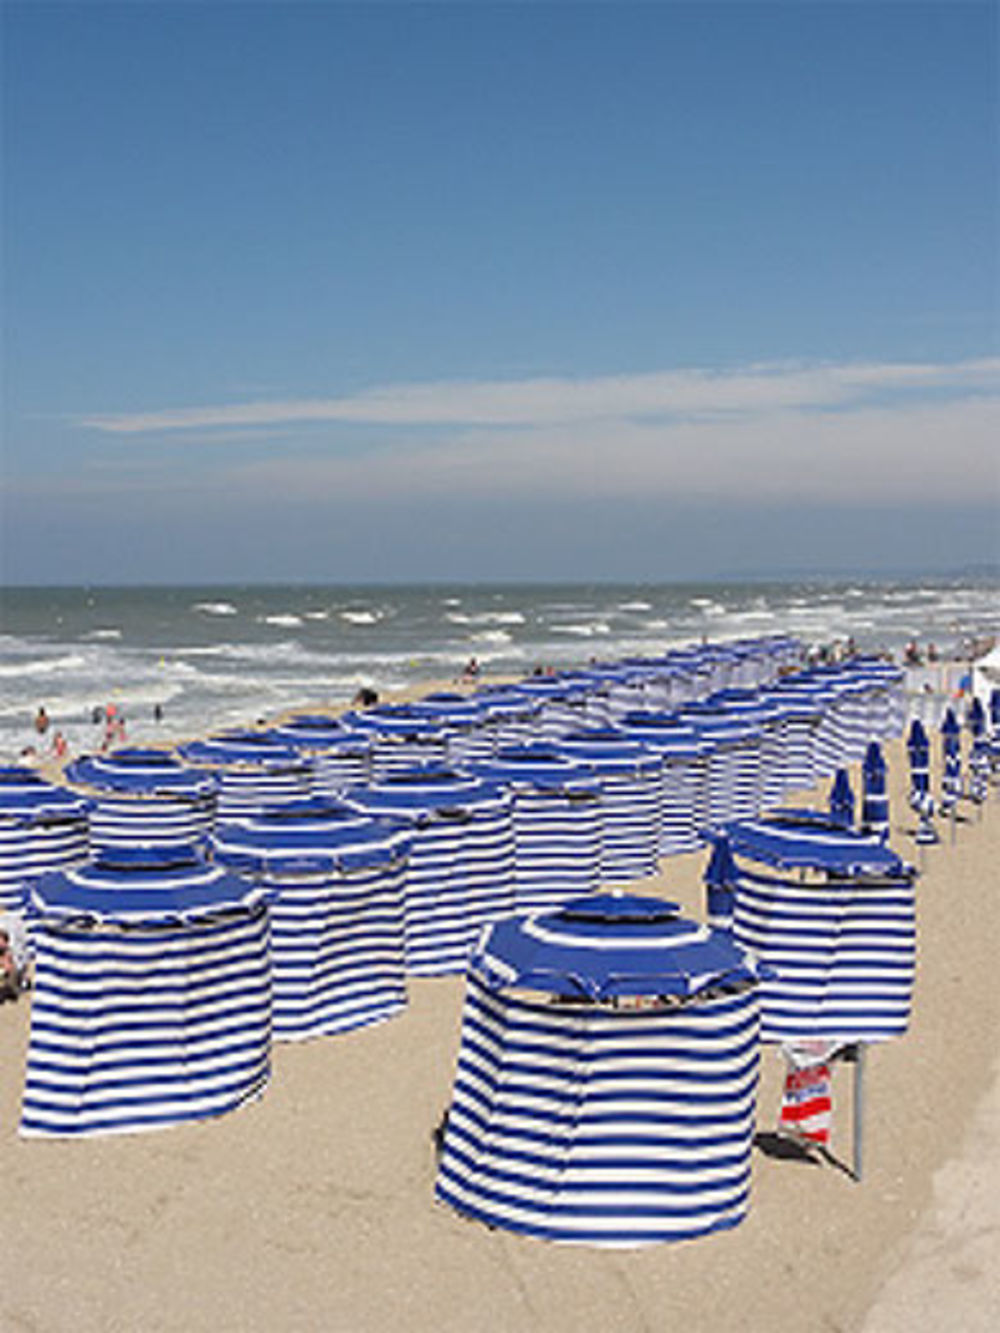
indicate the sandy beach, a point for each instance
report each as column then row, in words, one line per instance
column 312, row 1208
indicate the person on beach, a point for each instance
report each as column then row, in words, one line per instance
column 59, row 746
column 10, row 973
column 471, row 671
column 366, row 697
column 41, row 721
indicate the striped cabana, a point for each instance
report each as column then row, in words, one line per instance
column 753, row 708
column 42, row 828
column 733, row 775
column 801, row 711
column 562, row 704
column 606, row 1083
column 838, row 939
column 631, row 779
column 470, row 731
column 143, row 796
column 337, row 882
column 512, row 717
column 252, row 771
column 340, row 758
column 400, row 738
column 557, row 822
column 684, row 757
column 461, row 869
column 152, row 997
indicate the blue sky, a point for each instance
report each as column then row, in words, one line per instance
column 337, row 292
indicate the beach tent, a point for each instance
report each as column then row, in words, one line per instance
column 461, row 870
column 400, row 737
column 512, row 717
column 562, row 704
column 152, row 994
column 340, row 758
column 557, row 822
column 875, row 799
column 802, row 709
column 606, row 1079
column 683, row 756
column 140, row 795
column 986, row 674
column 733, row 782
column 337, row 884
column 42, row 828
column 754, row 708
column 631, row 779
column 252, row 770
column 470, row 728
column 840, row 945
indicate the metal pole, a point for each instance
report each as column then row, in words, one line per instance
column 859, row 1110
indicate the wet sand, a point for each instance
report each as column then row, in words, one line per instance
column 312, row 1208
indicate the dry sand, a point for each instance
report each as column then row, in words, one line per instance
column 312, row 1208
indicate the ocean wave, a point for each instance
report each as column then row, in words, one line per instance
column 485, row 618
column 216, row 608
column 317, row 615
column 584, row 631
column 491, row 636
column 283, row 619
column 634, row 606
column 109, row 633
column 361, row 617
column 43, row 666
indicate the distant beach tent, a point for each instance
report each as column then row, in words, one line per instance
column 733, row 782
column 606, row 1081
column 631, row 779
column 252, row 770
column 510, row 715
column 152, row 996
column 684, row 756
column 401, row 736
column 840, row 947
column 42, row 828
column 461, row 869
column 557, row 822
column 562, row 704
column 337, row 880
column 144, row 796
column 875, row 798
column 340, row 757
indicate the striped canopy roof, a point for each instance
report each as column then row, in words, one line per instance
column 810, row 840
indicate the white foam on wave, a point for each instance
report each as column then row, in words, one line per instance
column 108, row 633
column 216, row 608
column 43, row 666
column 491, row 636
column 635, row 606
column 485, row 618
column 361, row 617
column 284, row 620
column 317, row 615
column 584, row 631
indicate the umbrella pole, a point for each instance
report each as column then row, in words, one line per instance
column 859, row 1111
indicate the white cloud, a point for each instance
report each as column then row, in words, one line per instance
column 749, row 390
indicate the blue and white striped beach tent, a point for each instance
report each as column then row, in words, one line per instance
column 801, row 711
column 733, row 782
column 752, row 707
column 42, row 828
column 605, row 1092
column 563, row 704
column 340, row 757
column 511, row 716
column 152, row 997
column 470, row 729
column 461, row 869
column 631, row 779
column 683, row 755
column 557, row 821
column 337, row 884
column 251, row 769
column 143, row 796
column 400, row 736
column 840, row 946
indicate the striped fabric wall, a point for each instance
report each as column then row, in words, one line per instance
column 461, row 869
column 576, row 1123
column 143, row 1027
column 252, row 772
column 337, row 936
column 843, row 955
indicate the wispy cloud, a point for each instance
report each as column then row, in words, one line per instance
column 670, row 395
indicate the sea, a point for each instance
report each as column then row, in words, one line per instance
column 187, row 661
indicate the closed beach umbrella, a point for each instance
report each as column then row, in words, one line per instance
column 557, row 821
column 252, row 771
column 631, row 799
column 720, row 881
column 606, row 1080
column 144, row 796
column 951, row 779
column 337, row 884
column 842, row 800
column 340, row 757
column 838, row 938
column 919, row 753
column 461, row 869
column 875, row 800
column 42, row 828
column 152, row 996
column 979, row 754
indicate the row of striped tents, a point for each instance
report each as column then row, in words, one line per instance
column 42, row 828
